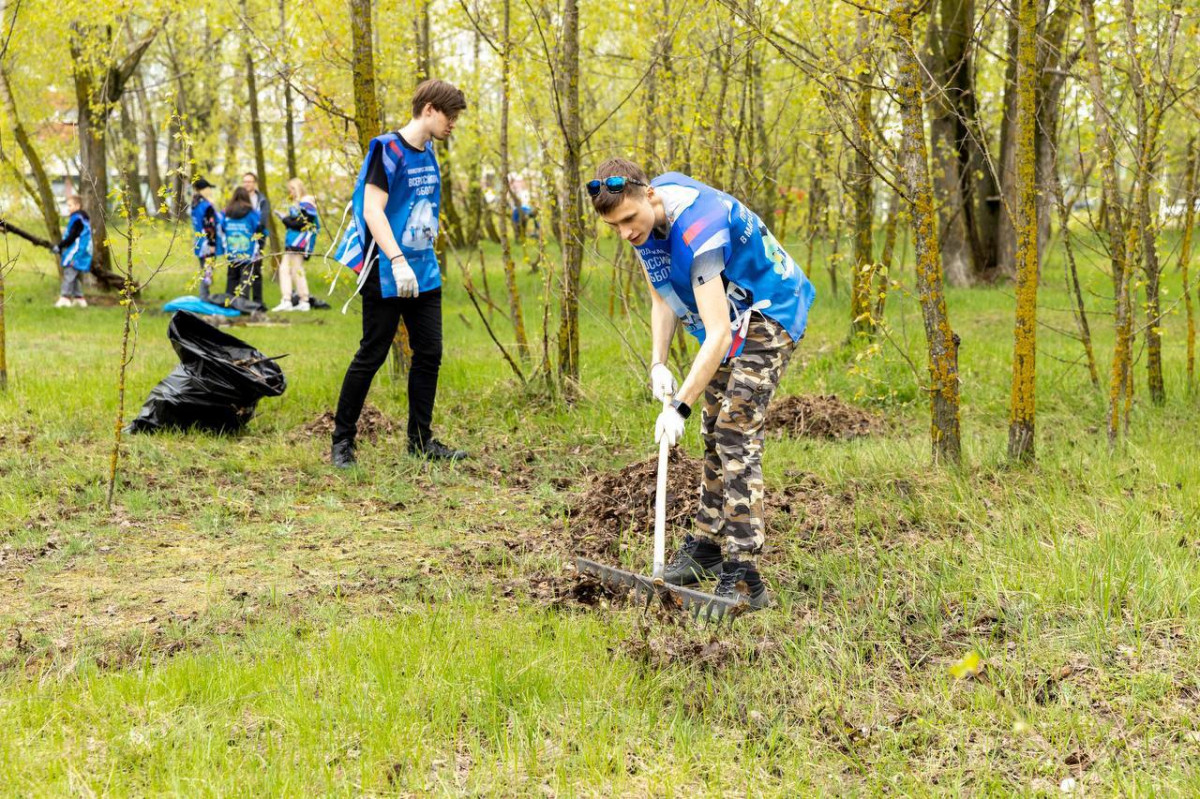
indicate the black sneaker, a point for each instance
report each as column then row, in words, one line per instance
column 342, row 454
column 741, row 581
column 435, row 450
column 698, row 559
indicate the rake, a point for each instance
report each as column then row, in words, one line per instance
column 675, row 597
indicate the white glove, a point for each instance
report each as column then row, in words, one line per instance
column 662, row 382
column 668, row 426
column 405, row 277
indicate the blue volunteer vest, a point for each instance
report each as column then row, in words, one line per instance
column 414, row 198
column 201, row 243
column 303, row 240
column 79, row 254
column 761, row 275
column 220, row 233
column 242, row 237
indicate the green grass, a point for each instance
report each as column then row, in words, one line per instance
column 247, row 622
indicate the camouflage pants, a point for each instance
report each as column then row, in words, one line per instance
column 735, row 408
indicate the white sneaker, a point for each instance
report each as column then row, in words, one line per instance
column 303, row 306
column 63, row 302
column 80, row 302
column 285, row 305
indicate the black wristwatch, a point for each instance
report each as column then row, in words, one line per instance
column 682, row 408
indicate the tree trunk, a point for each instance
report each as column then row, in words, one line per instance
column 767, row 182
column 1023, row 402
column 289, row 121
column 93, row 175
column 1053, row 75
column 1113, row 217
column 1072, row 273
column 861, row 179
column 817, row 222
column 260, row 159
column 948, row 46
column 1150, row 116
column 475, row 179
column 1148, row 222
column 233, row 127
column 885, row 260
column 941, row 340
column 100, row 80
column 1006, row 231
column 1185, row 257
column 44, row 193
column 568, row 331
column 131, row 182
column 978, row 195
column 154, row 182
column 367, row 120
column 506, row 231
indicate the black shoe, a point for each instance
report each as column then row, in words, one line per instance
column 435, row 450
column 698, row 559
column 342, row 454
column 741, row 581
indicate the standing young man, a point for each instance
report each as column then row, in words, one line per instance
column 711, row 262
column 389, row 243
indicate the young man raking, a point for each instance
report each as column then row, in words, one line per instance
column 711, row 263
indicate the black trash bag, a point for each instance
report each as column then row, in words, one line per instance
column 243, row 304
column 216, row 386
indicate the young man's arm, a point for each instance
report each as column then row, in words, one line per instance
column 714, row 313
column 662, row 325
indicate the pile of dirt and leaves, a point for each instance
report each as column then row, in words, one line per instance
column 623, row 501
column 821, row 416
column 372, row 425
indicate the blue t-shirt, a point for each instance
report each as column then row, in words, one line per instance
column 759, row 275
column 243, row 236
column 414, row 198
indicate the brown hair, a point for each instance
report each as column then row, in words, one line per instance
column 239, row 205
column 606, row 201
column 443, row 96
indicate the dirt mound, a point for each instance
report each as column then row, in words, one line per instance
column 821, row 416
column 371, row 425
column 621, row 501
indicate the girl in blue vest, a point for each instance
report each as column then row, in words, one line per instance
column 711, row 263
column 75, row 255
column 303, row 224
column 204, row 231
column 242, row 229
column 389, row 244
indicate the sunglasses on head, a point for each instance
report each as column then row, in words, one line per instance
column 614, row 185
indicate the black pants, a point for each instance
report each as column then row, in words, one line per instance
column 422, row 316
column 244, row 279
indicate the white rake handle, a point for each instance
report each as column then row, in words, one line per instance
column 660, row 509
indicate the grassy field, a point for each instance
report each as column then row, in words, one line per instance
column 245, row 621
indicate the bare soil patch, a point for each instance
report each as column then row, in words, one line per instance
column 372, row 424
column 821, row 416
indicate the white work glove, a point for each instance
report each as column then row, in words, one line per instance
column 662, row 382
column 668, row 426
column 405, row 277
